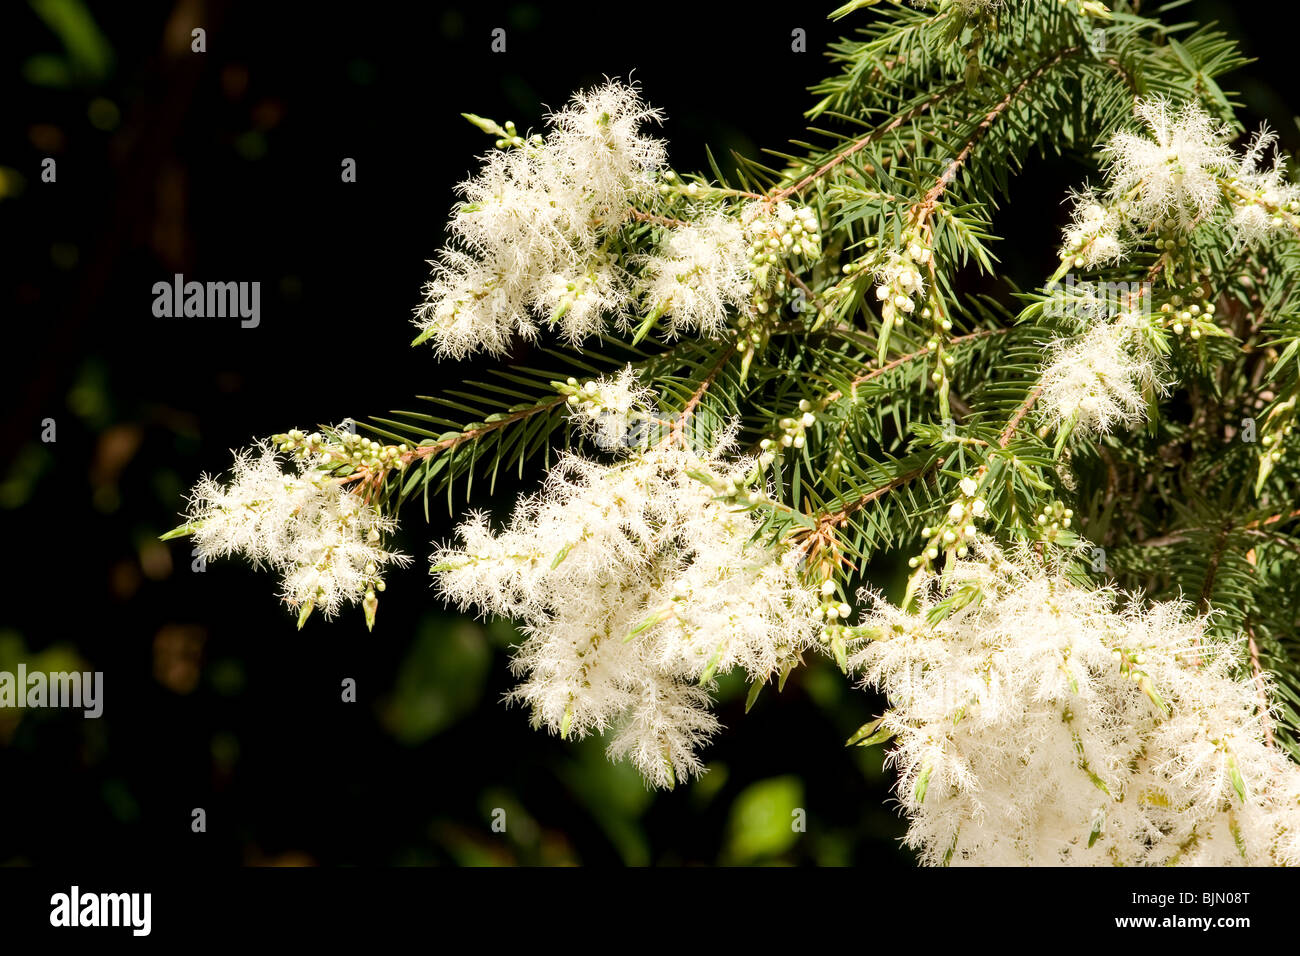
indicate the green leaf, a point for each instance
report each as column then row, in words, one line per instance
column 762, row 820
column 1238, row 784
column 1095, row 833
column 922, row 784
column 865, row 731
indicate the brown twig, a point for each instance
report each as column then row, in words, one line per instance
column 679, row 424
column 923, row 210
column 1009, row 432
column 918, row 110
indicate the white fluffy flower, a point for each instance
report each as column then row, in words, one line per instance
column 1176, row 176
column 635, row 585
column 700, row 272
column 580, row 303
column 1268, row 190
column 1094, row 236
column 599, row 138
column 324, row 540
column 1173, row 171
column 528, row 235
column 606, row 409
column 1100, row 380
column 1040, row 722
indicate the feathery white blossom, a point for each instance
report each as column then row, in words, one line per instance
column 606, row 409
column 599, row 137
column 636, row 582
column 1268, row 188
column 324, row 540
column 700, row 272
column 1099, row 380
column 1175, row 176
column 581, row 302
column 1173, row 172
column 1094, row 236
column 1041, row 722
column 528, row 234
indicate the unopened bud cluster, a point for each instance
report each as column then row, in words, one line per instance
column 777, row 236
column 347, row 448
column 900, row 280
column 957, row 528
column 1052, row 522
column 793, row 434
column 782, row 241
column 834, row 615
column 1191, row 318
column 512, row 139
column 1278, row 426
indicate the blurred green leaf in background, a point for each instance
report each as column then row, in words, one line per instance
column 441, row 679
column 86, row 58
column 764, row 820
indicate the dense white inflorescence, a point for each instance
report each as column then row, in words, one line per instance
column 1038, row 721
column 1267, row 192
column 636, row 582
column 538, row 241
column 303, row 523
column 608, row 409
column 1095, row 234
column 1173, row 171
column 529, row 233
column 700, row 273
column 1100, row 380
column 1179, row 172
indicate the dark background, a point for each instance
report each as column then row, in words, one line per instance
column 225, row 165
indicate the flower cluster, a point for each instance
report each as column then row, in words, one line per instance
column 1172, row 172
column 776, row 234
column 899, row 280
column 342, row 447
column 302, row 522
column 1041, row 722
column 606, row 409
column 957, row 528
column 783, row 241
column 699, row 273
column 528, row 235
column 1266, row 195
column 1100, row 380
column 1178, row 173
column 793, row 434
column 1095, row 234
column 636, row 583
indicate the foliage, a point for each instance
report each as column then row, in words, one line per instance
column 1133, row 413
